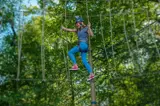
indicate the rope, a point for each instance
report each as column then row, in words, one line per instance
column 19, row 44
column 103, row 37
column 89, row 38
column 42, row 42
column 93, row 94
column 87, row 10
column 65, row 10
column 98, row 75
column 111, row 30
column 68, row 72
column 134, row 28
column 1, row 21
column 65, row 57
column 125, row 33
column 106, row 15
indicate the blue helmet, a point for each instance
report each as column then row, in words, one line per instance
column 79, row 19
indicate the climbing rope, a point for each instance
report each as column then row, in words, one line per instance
column 42, row 42
column 127, row 41
column 64, row 54
column 103, row 40
column 134, row 28
column 1, row 20
column 111, row 31
column 19, row 42
column 43, row 48
column 93, row 94
column 89, row 38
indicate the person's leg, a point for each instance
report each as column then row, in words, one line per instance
column 72, row 57
column 84, row 49
column 85, row 62
column 87, row 65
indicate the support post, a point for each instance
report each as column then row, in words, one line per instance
column 93, row 93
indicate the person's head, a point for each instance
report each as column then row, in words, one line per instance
column 79, row 22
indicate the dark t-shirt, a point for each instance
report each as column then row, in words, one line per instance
column 83, row 35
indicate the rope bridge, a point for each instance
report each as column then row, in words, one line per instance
column 105, row 52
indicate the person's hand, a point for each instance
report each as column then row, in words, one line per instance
column 62, row 27
column 89, row 24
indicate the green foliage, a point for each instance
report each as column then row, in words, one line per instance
column 127, row 76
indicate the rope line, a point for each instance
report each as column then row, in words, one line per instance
column 89, row 38
column 101, row 27
column 126, row 37
column 19, row 44
column 93, row 94
column 120, row 77
column 134, row 28
column 87, row 10
column 65, row 56
column 42, row 42
column 111, row 30
column 104, row 15
column 1, row 21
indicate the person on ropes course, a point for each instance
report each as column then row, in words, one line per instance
column 82, row 32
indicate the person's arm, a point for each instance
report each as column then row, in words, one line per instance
column 90, row 32
column 69, row 30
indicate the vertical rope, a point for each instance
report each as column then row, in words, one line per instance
column 66, row 60
column 87, row 11
column 125, row 33
column 68, row 73
column 42, row 42
column 111, row 30
column 19, row 43
column 64, row 55
column 89, row 38
column 93, row 94
column 134, row 28
column 103, row 36
column 65, row 10
column 1, row 21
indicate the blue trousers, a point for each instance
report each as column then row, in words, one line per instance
column 82, row 47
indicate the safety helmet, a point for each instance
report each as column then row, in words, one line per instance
column 79, row 19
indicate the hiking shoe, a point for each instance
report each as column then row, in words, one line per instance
column 91, row 76
column 74, row 67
